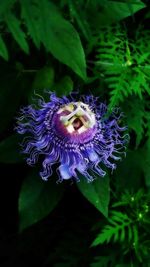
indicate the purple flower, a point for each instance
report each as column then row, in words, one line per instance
column 75, row 133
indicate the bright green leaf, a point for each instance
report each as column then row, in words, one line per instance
column 14, row 27
column 112, row 12
column 96, row 192
column 76, row 12
column 116, row 230
column 37, row 199
column 122, row 10
column 61, row 38
column 30, row 14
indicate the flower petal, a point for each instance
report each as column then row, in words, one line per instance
column 81, row 142
column 65, row 172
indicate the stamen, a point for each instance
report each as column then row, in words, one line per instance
column 80, row 115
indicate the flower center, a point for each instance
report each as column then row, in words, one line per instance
column 77, row 117
column 77, row 123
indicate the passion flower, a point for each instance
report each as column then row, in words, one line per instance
column 74, row 133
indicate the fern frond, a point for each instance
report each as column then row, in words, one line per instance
column 101, row 261
column 117, row 230
column 123, row 64
column 120, row 87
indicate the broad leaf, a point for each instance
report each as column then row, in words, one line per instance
column 112, row 11
column 5, row 6
column 14, row 27
column 37, row 199
column 96, row 192
column 30, row 13
column 120, row 10
column 46, row 25
column 61, row 38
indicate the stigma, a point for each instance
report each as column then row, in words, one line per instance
column 76, row 117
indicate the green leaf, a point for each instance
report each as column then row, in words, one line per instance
column 116, row 56
column 14, row 26
column 10, row 150
column 76, row 12
column 43, row 80
column 46, row 25
column 6, row 5
column 3, row 49
column 64, row 86
column 100, row 261
column 37, row 199
column 116, row 230
column 123, row 10
column 96, row 192
column 114, row 11
column 30, row 13
column 61, row 39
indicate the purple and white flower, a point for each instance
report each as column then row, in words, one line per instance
column 73, row 132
